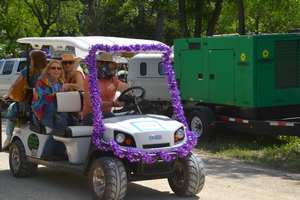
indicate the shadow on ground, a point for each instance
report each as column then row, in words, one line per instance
column 60, row 185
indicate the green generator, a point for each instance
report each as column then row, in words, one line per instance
column 241, row 76
column 245, row 71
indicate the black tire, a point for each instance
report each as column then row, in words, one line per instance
column 200, row 120
column 18, row 163
column 113, row 185
column 189, row 176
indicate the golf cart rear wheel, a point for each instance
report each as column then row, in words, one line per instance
column 108, row 179
column 18, row 163
column 189, row 177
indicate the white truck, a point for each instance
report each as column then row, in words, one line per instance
column 146, row 70
column 9, row 72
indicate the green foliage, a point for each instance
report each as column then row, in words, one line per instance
column 68, row 22
column 15, row 22
column 228, row 18
column 272, row 16
column 149, row 19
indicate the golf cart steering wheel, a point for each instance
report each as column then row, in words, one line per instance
column 132, row 94
column 132, row 97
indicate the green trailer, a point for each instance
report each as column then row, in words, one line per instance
column 241, row 81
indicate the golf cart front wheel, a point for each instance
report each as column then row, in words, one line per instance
column 108, row 179
column 18, row 163
column 189, row 176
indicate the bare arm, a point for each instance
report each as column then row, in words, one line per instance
column 75, row 86
column 79, row 81
column 122, row 86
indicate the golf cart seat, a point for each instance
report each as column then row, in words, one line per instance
column 76, row 138
column 72, row 132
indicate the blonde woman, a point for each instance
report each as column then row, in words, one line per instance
column 43, row 101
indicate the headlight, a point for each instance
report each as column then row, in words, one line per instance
column 120, row 138
column 124, row 139
column 179, row 135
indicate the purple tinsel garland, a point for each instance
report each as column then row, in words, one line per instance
column 130, row 153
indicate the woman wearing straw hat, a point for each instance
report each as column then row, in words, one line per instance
column 74, row 75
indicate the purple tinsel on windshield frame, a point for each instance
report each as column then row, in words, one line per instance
column 130, row 153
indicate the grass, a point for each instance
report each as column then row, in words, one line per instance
column 282, row 152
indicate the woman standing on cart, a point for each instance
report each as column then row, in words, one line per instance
column 17, row 91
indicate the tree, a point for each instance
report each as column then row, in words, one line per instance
column 148, row 19
column 214, row 18
column 47, row 12
column 69, row 19
column 272, row 16
column 182, row 18
column 199, row 6
column 241, row 17
column 15, row 22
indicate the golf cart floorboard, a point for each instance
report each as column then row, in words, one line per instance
column 64, row 165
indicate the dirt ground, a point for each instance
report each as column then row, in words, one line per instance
column 225, row 180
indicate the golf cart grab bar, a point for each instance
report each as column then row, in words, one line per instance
column 69, row 101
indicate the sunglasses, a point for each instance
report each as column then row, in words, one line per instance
column 67, row 62
column 56, row 68
column 110, row 64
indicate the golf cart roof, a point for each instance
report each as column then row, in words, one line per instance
column 81, row 44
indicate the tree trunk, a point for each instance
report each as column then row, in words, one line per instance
column 44, row 31
column 182, row 18
column 159, row 28
column 91, row 18
column 214, row 18
column 241, row 17
column 141, row 21
column 256, row 24
column 199, row 5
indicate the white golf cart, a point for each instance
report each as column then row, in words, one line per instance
column 128, row 147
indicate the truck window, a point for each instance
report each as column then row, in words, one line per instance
column 8, row 67
column 22, row 65
column 143, row 69
column 161, row 69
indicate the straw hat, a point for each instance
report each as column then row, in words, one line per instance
column 105, row 57
column 69, row 57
